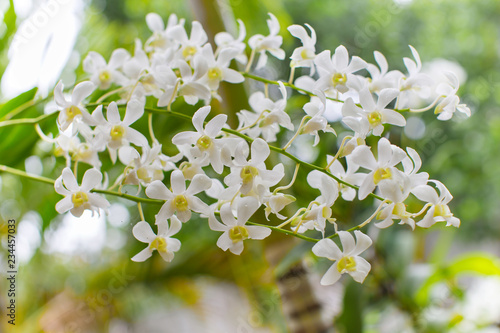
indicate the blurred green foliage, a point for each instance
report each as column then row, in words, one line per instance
column 463, row 154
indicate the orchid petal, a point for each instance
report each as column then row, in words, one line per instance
column 91, row 179
column 142, row 232
column 331, row 276
column 328, row 249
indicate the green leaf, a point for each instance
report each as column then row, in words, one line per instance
column 351, row 319
column 9, row 20
column 17, row 142
column 481, row 263
column 16, row 103
column 472, row 263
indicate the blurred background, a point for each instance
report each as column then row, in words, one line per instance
column 75, row 275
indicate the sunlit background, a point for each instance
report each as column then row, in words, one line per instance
column 75, row 274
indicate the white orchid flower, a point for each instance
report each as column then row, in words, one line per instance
column 438, row 210
column 160, row 40
column 225, row 40
column 146, row 168
column 136, row 67
column 189, row 84
column 349, row 176
column 396, row 209
column 416, row 85
column 233, row 227
column 450, row 103
column 218, row 69
column 271, row 43
column 78, row 197
column 117, row 133
column 320, row 211
column 249, row 174
column 381, row 169
column 304, row 55
column 346, row 260
column 336, row 71
column 104, row 74
column 375, row 112
column 73, row 149
column 275, row 202
column 73, row 109
column 180, row 200
column 359, row 125
column 163, row 242
column 381, row 77
column 204, row 141
column 268, row 117
column 192, row 45
column 194, row 165
column 316, row 109
column 411, row 166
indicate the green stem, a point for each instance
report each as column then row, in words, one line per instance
column 274, row 148
column 20, row 173
column 139, row 200
column 227, row 130
column 286, row 84
column 358, row 227
column 294, row 87
column 26, row 106
column 27, row 121
column 130, row 197
column 18, row 110
column 297, row 160
column 297, row 133
column 287, row 232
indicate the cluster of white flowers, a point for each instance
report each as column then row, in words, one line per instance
column 172, row 64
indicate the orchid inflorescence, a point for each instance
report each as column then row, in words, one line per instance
column 172, row 64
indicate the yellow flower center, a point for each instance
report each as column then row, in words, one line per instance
column 117, row 132
column 159, row 244
column 72, row 112
column 181, row 203
column 82, row 152
column 266, row 121
column 248, row 173
column 104, row 76
column 204, row 142
column 238, row 233
column 158, row 41
column 188, row 51
column 306, row 54
column 296, row 220
column 149, row 83
column 326, row 212
column 79, row 198
column 346, row 263
column 338, row 78
column 214, row 73
column 375, row 118
column 142, row 173
column 442, row 210
column 400, row 210
column 438, row 109
column 58, row 152
column 381, row 174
